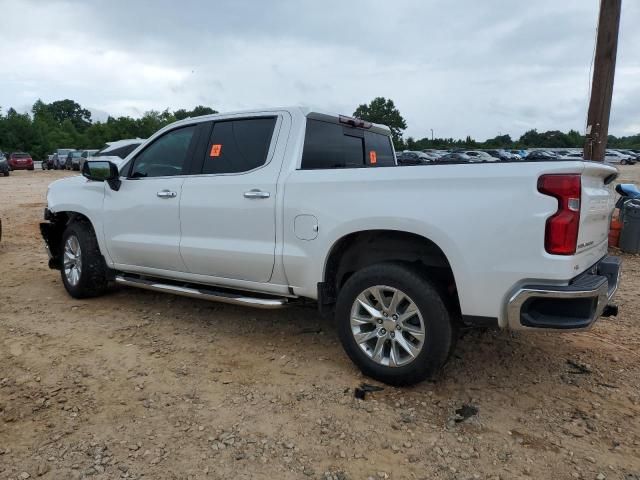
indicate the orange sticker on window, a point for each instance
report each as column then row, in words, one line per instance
column 216, row 149
column 373, row 159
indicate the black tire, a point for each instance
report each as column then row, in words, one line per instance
column 440, row 332
column 94, row 274
column 6, row 173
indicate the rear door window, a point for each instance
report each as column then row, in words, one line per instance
column 330, row 145
column 237, row 146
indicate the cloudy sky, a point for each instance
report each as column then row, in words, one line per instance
column 460, row 67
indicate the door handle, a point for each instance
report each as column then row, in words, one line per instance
column 255, row 193
column 166, row 194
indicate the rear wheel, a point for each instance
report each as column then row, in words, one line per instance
column 84, row 271
column 394, row 324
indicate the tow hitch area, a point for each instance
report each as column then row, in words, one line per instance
column 610, row 310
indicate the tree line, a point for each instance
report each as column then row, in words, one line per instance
column 382, row 110
column 66, row 124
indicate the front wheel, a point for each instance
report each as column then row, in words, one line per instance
column 394, row 324
column 84, row 271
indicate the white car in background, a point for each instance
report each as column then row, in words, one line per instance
column 613, row 156
column 86, row 155
column 480, row 156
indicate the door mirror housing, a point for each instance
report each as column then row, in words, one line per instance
column 102, row 171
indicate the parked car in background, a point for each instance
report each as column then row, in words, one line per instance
column 60, row 158
column 479, row 156
column 20, row 161
column 121, row 148
column 455, row 157
column 86, row 155
column 635, row 155
column 540, row 155
column 413, row 158
column 73, row 160
column 501, row 155
column 47, row 163
column 613, row 156
column 572, row 156
column 4, row 165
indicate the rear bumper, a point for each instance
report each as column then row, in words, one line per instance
column 22, row 166
column 571, row 307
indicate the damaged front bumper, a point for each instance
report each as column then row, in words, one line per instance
column 52, row 233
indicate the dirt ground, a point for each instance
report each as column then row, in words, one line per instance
column 138, row 384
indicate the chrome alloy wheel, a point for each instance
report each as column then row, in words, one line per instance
column 387, row 325
column 72, row 260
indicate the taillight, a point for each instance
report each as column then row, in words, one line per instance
column 561, row 234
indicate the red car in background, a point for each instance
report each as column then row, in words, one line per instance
column 20, row 161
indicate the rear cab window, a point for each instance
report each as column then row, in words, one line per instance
column 330, row 144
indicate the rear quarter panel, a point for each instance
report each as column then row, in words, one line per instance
column 488, row 219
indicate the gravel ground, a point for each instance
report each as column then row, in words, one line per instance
column 137, row 384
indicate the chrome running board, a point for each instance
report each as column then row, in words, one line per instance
column 202, row 293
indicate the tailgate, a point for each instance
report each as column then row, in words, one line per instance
column 597, row 203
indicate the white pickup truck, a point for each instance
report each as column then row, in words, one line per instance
column 269, row 208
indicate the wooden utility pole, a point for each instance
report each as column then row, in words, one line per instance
column 602, row 83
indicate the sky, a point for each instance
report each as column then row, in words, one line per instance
column 459, row 67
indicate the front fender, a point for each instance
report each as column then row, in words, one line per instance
column 76, row 196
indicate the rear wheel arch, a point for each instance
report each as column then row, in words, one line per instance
column 359, row 250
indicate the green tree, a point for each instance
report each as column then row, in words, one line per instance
column 62, row 110
column 383, row 111
column 196, row 112
column 499, row 141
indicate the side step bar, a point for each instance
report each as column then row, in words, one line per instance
column 202, row 293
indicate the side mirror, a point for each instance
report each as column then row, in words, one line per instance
column 102, row 171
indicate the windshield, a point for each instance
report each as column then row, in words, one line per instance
column 21, row 155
